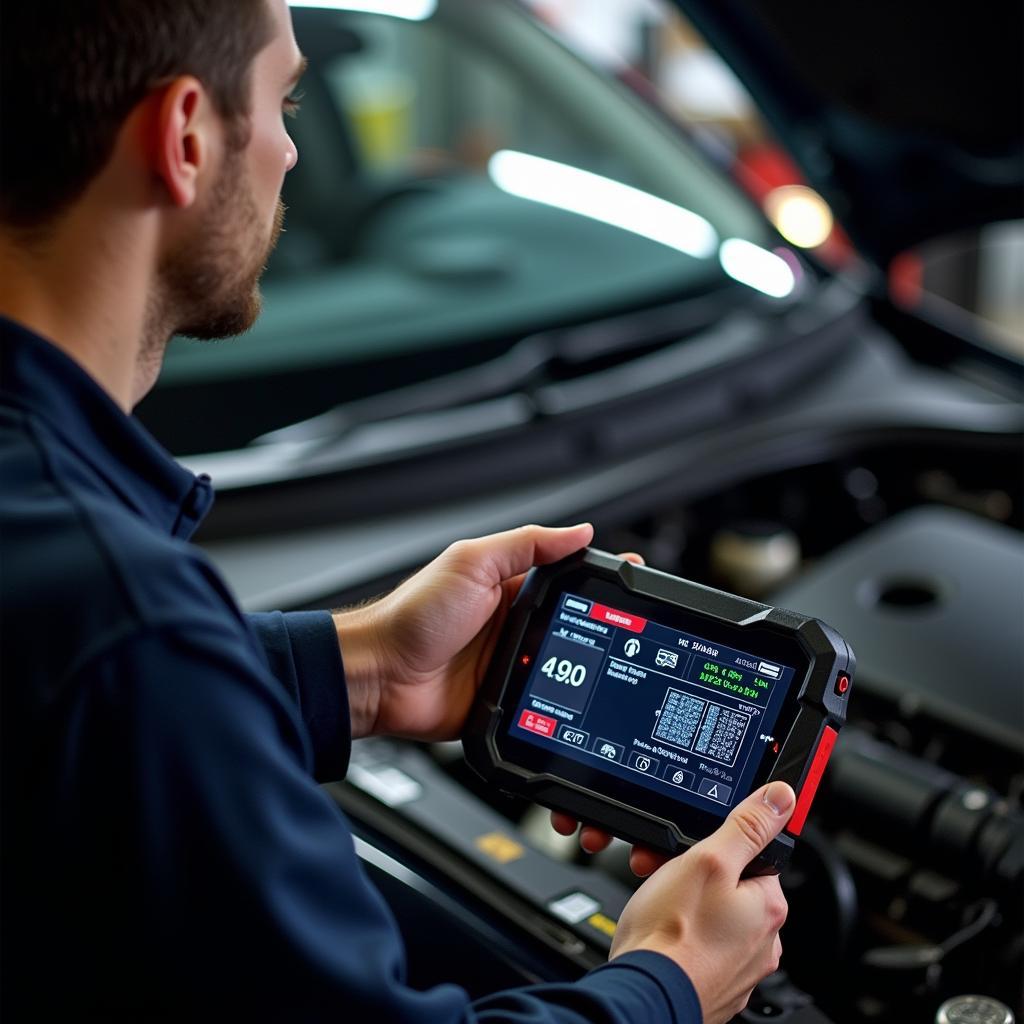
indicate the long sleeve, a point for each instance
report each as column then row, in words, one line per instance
column 303, row 654
column 211, row 877
column 640, row 986
column 167, row 852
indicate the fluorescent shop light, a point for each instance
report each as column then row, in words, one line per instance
column 590, row 195
column 751, row 265
column 410, row 10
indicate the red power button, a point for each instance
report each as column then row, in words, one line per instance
column 842, row 684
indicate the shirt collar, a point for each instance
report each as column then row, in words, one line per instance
column 40, row 379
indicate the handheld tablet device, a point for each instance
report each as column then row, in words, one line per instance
column 650, row 705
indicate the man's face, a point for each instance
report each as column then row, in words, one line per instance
column 211, row 279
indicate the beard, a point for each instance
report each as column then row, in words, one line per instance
column 210, row 283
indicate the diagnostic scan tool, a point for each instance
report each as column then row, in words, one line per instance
column 650, row 705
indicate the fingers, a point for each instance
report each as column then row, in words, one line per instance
column 506, row 555
column 563, row 824
column 593, row 840
column 644, row 862
column 751, row 826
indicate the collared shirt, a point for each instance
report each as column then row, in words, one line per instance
column 167, row 852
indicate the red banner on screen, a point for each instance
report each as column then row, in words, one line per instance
column 616, row 618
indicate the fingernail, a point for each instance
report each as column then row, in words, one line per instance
column 779, row 797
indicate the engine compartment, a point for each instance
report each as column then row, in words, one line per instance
column 908, row 891
column 922, row 547
column 907, row 888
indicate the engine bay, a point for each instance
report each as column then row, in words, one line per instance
column 906, row 889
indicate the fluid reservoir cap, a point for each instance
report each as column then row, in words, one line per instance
column 974, row 1010
column 754, row 557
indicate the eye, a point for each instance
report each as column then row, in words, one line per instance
column 292, row 102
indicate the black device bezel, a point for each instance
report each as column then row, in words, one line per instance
column 551, row 760
column 631, row 810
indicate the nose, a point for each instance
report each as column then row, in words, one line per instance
column 291, row 155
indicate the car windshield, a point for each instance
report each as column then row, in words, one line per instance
column 464, row 180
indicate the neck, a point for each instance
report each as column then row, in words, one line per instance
column 84, row 287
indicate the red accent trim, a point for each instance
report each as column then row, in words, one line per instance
column 810, row 786
column 842, row 685
column 613, row 617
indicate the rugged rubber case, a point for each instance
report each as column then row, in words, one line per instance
column 805, row 750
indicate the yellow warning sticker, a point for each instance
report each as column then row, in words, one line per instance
column 499, row 847
column 602, row 923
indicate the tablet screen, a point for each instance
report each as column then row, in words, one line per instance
column 614, row 687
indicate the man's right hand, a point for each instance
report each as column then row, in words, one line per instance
column 722, row 931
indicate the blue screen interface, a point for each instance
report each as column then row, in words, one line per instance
column 666, row 709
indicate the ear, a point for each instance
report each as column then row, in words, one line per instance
column 183, row 139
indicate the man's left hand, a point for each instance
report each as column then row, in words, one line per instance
column 415, row 658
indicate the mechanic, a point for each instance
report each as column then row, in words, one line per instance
column 167, row 851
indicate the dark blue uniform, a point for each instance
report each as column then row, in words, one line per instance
column 166, row 850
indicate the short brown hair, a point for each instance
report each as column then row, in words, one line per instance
column 71, row 71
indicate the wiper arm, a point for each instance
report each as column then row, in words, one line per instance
column 513, row 369
column 517, row 369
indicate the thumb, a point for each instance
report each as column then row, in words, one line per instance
column 751, row 826
column 509, row 554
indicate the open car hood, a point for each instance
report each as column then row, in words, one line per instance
column 908, row 117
